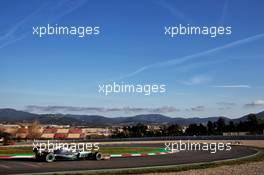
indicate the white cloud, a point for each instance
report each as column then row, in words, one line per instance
column 232, row 86
column 88, row 110
column 50, row 12
column 175, row 11
column 196, row 80
column 196, row 108
column 183, row 59
column 224, row 103
column 256, row 103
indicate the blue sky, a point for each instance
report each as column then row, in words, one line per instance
column 204, row 76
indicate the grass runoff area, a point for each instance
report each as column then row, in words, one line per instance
column 105, row 150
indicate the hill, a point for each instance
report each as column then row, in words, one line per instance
column 15, row 116
column 259, row 115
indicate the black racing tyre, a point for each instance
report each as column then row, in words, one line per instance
column 50, row 157
column 98, row 156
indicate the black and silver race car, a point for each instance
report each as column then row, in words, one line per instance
column 65, row 154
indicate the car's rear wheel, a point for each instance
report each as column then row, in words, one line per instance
column 50, row 157
column 98, row 156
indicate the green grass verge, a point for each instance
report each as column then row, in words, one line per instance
column 104, row 150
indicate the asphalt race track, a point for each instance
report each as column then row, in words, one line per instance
column 20, row 166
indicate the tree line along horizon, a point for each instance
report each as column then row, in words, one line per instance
column 252, row 125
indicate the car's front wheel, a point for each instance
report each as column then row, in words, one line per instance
column 50, row 157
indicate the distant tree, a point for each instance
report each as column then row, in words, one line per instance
column 231, row 127
column 164, row 130
column 242, row 126
column 174, row 130
column 202, row 130
column 139, row 130
column 210, row 128
column 221, row 125
column 34, row 130
column 7, row 138
column 126, row 131
column 191, row 130
column 195, row 129
column 253, row 124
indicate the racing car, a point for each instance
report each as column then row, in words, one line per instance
column 65, row 154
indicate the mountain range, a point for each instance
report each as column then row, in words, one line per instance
column 8, row 115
